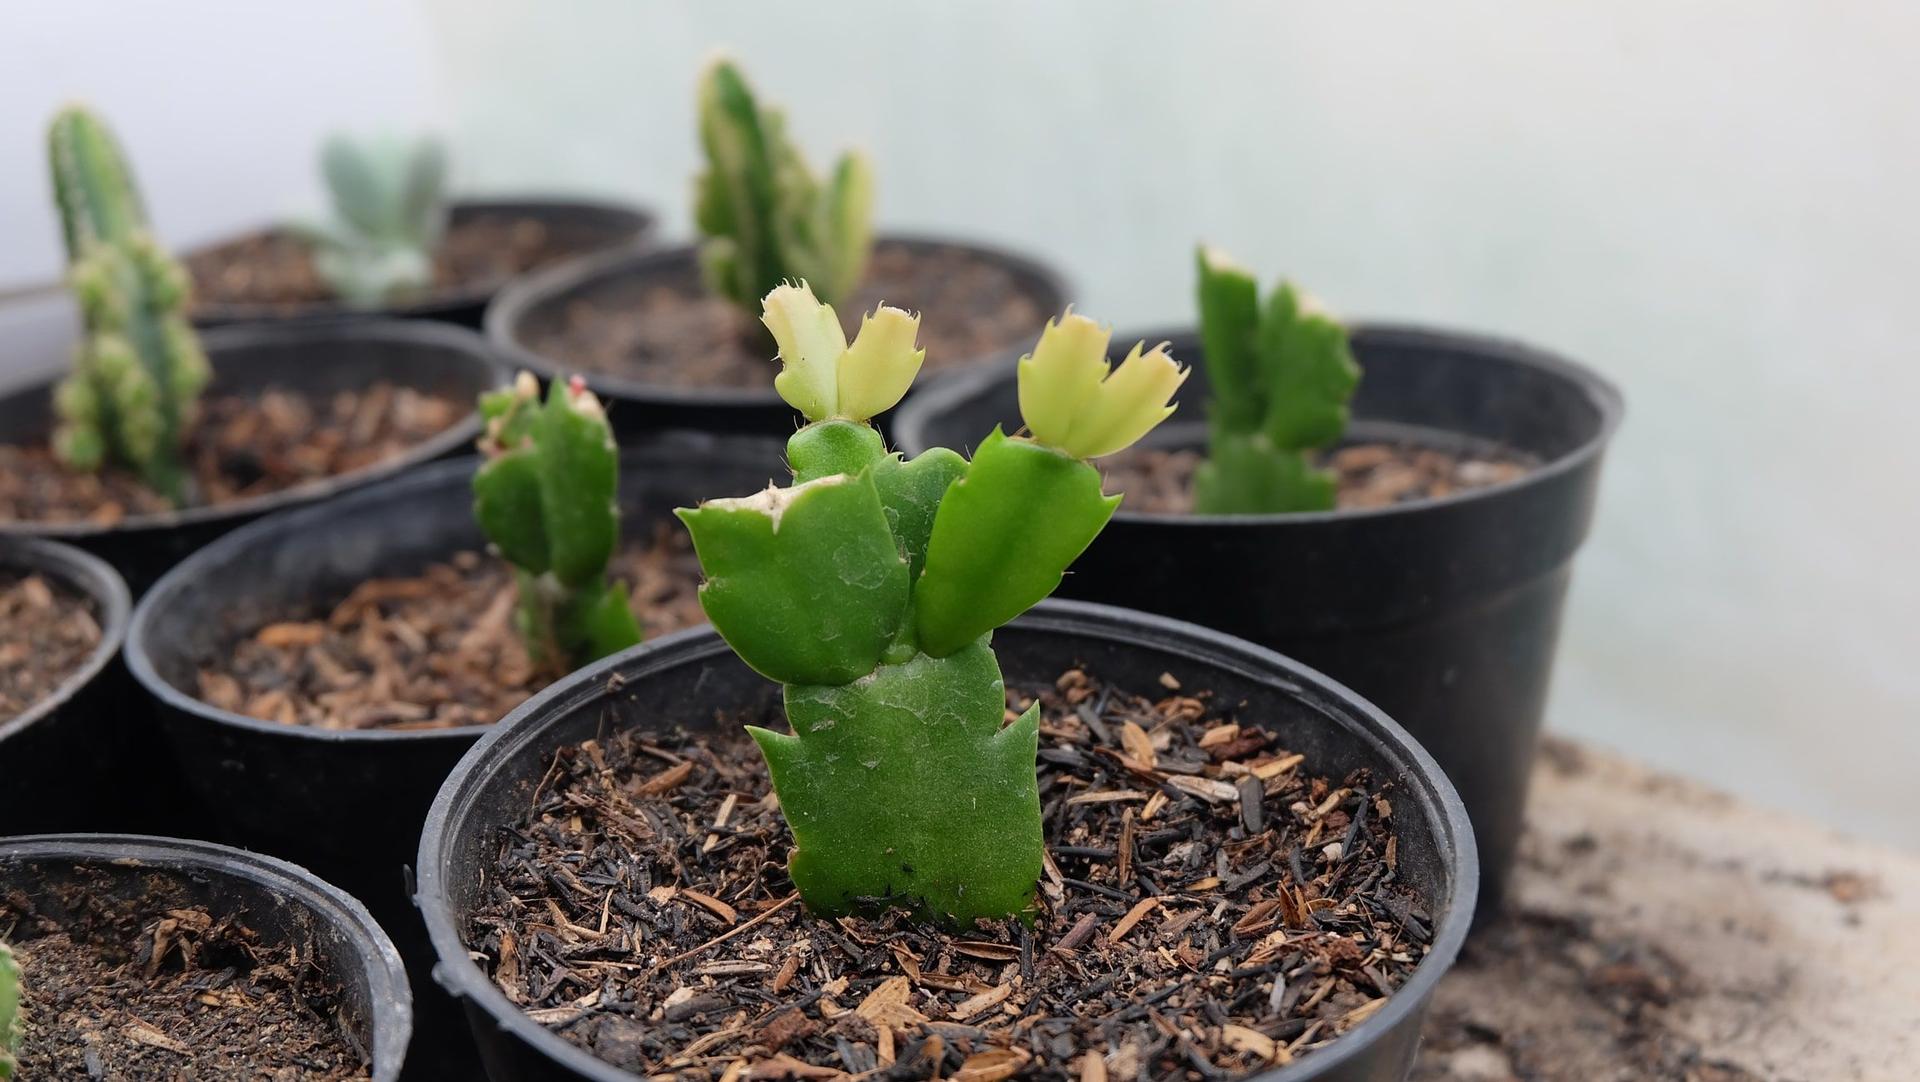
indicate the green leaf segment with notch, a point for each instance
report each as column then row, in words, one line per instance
column 138, row 370
column 871, row 587
column 389, row 198
column 765, row 216
column 545, row 498
column 1282, row 374
column 9, row 1012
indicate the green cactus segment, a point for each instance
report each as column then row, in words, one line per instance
column 138, row 369
column 911, row 493
column 545, row 498
column 389, row 213
column 765, row 215
column 1003, row 537
column 805, row 583
column 10, row 1028
column 905, row 788
column 1283, row 374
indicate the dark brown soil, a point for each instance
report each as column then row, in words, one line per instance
column 47, row 632
column 1209, row 908
column 243, row 446
column 433, row 651
column 668, row 331
column 139, row 991
column 1159, row 481
column 275, row 267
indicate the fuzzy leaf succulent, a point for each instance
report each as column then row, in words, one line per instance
column 389, row 212
column 765, row 216
column 872, row 585
column 545, row 499
column 138, row 369
column 1282, row 374
column 9, row 1012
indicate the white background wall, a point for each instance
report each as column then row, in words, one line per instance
column 1711, row 201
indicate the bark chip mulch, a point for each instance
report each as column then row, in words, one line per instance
column 1210, row 907
column 242, row 446
column 1369, row 474
column 139, row 990
column 47, row 632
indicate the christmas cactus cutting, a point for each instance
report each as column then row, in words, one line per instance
column 870, row 588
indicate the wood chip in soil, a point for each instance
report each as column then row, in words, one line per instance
column 430, row 651
column 154, row 990
column 1159, row 481
column 275, row 268
column 243, row 446
column 1205, row 916
column 47, row 632
column 668, row 331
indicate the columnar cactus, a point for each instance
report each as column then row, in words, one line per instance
column 871, row 588
column 389, row 213
column 1282, row 374
column 545, row 498
column 766, row 217
column 139, row 369
column 9, row 1012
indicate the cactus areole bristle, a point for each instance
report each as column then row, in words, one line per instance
column 871, row 587
column 545, row 499
column 138, row 369
column 1282, row 373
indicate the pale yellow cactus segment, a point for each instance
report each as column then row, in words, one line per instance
column 877, row 369
column 1071, row 400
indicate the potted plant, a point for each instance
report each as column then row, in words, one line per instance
column 669, row 338
column 159, row 440
column 1420, row 555
column 141, row 957
column 69, row 757
column 1143, row 848
column 395, row 245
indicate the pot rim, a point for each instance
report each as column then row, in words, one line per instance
column 457, row 974
column 241, row 338
column 90, row 575
column 1601, row 393
column 388, row 987
column 639, row 223
column 188, row 575
column 510, row 306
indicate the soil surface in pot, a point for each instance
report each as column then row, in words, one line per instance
column 667, row 330
column 1160, row 481
column 243, row 446
column 275, row 267
column 1209, row 907
column 50, row 632
column 137, row 990
column 430, row 651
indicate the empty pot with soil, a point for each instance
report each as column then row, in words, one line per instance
column 144, row 957
column 269, row 274
column 1466, row 482
column 293, row 414
column 70, row 755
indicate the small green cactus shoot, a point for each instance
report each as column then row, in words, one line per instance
column 138, row 369
column 766, row 217
column 389, row 213
column 1282, row 374
column 9, row 1012
column 545, row 498
column 871, row 588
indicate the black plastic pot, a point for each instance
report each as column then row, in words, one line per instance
column 588, row 226
column 282, row 902
column 692, row 677
column 1443, row 612
column 349, row 803
column 314, row 359
column 638, row 408
column 73, row 759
